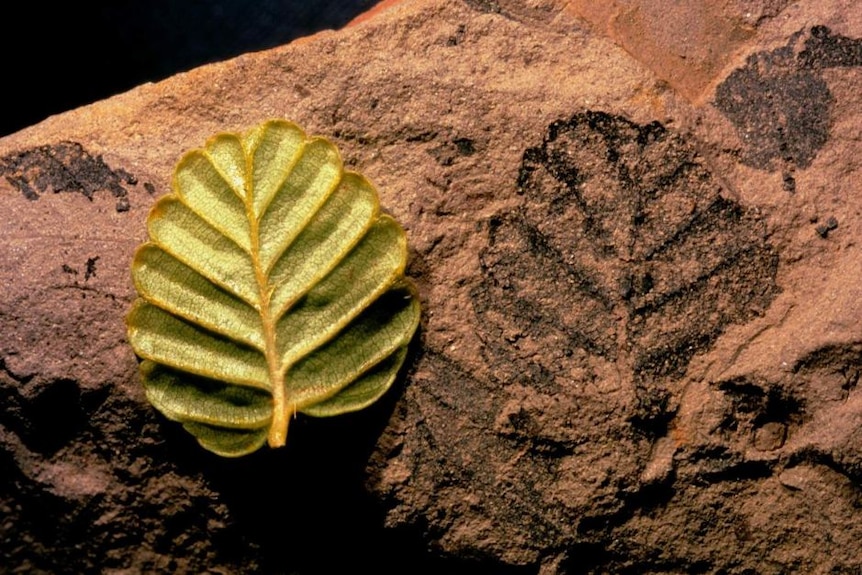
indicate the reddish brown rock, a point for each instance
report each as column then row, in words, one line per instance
column 641, row 339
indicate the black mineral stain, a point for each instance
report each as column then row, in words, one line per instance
column 91, row 268
column 623, row 248
column 780, row 102
column 458, row 36
column 825, row 50
column 824, row 228
column 448, row 152
column 65, row 167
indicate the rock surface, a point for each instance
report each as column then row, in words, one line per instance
column 636, row 236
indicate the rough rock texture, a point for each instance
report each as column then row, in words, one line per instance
column 636, row 235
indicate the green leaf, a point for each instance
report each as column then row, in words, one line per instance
column 271, row 285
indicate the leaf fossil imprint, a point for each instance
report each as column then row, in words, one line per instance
column 271, row 285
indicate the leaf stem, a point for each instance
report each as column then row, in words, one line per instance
column 280, row 416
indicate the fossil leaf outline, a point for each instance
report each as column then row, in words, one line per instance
column 623, row 248
column 271, row 284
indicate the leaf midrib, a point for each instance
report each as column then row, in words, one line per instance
column 280, row 418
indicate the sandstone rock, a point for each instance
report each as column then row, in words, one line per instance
column 641, row 340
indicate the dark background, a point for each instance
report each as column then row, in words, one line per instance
column 55, row 57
